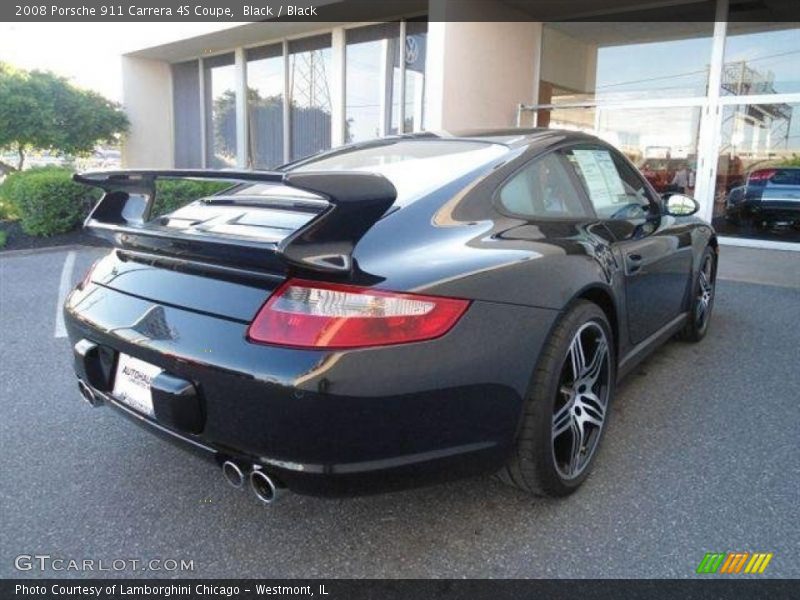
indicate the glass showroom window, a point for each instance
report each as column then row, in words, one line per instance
column 310, row 95
column 416, row 44
column 758, row 173
column 265, row 79
column 186, row 110
column 372, row 78
column 761, row 58
column 615, row 62
column 220, row 107
column 661, row 142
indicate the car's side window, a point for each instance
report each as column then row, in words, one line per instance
column 615, row 190
column 542, row 188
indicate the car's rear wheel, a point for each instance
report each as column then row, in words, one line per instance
column 567, row 408
column 702, row 300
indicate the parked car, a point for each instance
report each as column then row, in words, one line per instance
column 769, row 198
column 391, row 313
column 660, row 173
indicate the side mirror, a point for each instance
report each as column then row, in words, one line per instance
column 678, row 205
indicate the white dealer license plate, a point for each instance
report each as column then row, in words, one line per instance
column 132, row 383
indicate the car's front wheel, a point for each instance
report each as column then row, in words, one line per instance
column 702, row 299
column 567, row 408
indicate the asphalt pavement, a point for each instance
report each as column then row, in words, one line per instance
column 701, row 455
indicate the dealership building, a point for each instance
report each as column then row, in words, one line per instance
column 702, row 92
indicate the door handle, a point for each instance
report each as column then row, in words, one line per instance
column 633, row 262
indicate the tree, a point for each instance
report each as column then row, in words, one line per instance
column 42, row 111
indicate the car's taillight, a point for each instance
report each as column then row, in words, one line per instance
column 762, row 175
column 309, row 314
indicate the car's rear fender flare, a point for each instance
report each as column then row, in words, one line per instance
column 604, row 297
column 702, row 238
column 598, row 294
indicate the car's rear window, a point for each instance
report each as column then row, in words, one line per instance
column 786, row 177
column 415, row 167
column 774, row 176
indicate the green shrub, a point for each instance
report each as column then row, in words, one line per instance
column 47, row 200
column 7, row 189
column 171, row 194
column 7, row 210
column 3, row 238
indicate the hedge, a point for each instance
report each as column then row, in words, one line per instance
column 171, row 194
column 7, row 210
column 48, row 202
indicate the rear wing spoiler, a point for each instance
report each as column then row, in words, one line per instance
column 357, row 200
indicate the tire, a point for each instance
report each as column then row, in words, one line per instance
column 557, row 407
column 702, row 300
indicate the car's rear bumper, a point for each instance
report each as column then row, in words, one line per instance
column 769, row 210
column 778, row 210
column 332, row 422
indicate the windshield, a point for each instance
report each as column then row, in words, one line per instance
column 415, row 167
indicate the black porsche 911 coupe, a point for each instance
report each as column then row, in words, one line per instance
column 391, row 313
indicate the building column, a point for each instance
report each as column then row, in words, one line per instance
column 337, row 86
column 478, row 72
column 711, row 121
column 242, row 116
column 147, row 100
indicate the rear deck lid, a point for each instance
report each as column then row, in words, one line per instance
column 223, row 254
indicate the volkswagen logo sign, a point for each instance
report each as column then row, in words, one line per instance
column 412, row 50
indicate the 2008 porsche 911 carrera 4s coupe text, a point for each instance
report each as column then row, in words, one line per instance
column 391, row 313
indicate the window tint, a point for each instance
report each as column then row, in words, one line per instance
column 542, row 189
column 615, row 190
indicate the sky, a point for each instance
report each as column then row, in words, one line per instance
column 87, row 53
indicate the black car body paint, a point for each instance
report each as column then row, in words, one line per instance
column 364, row 420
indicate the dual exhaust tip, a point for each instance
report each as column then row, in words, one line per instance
column 266, row 488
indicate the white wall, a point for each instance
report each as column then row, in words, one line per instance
column 147, row 100
column 568, row 62
column 477, row 72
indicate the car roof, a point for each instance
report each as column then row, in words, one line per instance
column 512, row 136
